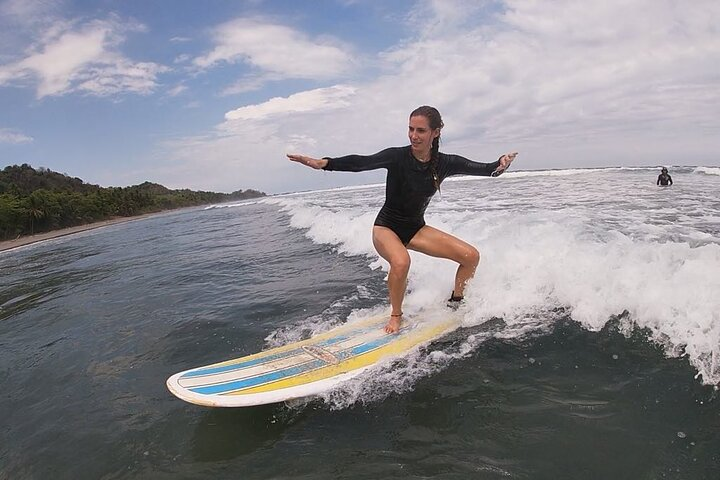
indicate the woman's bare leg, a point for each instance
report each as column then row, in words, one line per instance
column 391, row 248
column 436, row 243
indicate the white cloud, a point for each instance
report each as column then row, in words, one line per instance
column 29, row 12
column 321, row 99
column 21, row 22
column 184, row 58
column 435, row 16
column 248, row 149
column 13, row 137
column 177, row 90
column 565, row 67
column 83, row 58
column 568, row 83
column 251, row 83
column 278, row 49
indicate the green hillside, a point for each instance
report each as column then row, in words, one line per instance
column 40, row 200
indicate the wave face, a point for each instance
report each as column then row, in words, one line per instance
column 597, row 243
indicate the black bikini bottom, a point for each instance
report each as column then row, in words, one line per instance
column 405, row 228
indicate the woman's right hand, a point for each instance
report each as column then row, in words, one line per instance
column 316, row 163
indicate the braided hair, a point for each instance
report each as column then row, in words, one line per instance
column 435, row 122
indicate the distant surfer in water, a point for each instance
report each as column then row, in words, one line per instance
column 415, row 173
column 664, row 178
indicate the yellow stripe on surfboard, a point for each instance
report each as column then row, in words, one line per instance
column 314, row 339
column 354, row 363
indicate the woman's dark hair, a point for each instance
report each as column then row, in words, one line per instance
column 435, row 122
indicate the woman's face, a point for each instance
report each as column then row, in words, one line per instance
column 421, row 136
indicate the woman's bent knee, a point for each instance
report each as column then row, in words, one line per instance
column 400, row 264
column 472, row 257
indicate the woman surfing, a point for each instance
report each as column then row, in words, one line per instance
column 415, row 173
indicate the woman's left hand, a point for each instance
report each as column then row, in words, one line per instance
column 506, row 160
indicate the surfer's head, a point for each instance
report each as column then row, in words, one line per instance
column 664, row 170
column 434, row 125
column 424, row 132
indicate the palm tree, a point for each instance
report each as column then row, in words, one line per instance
column 36, row 209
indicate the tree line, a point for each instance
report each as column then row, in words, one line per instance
column 40, row 200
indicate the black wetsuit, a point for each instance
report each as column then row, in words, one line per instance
column 664, row 179
column 409, row 185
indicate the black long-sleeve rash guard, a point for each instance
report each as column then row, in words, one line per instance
column 409, row 185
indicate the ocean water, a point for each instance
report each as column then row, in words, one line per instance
column 590, row 345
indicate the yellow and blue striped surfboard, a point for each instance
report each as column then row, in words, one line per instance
column 308, row 367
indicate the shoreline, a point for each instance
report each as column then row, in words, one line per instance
column 41, row 237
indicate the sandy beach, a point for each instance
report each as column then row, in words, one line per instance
column 39, row 237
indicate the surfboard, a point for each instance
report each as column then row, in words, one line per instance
column 309, row 367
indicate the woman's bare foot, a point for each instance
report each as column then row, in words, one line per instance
column 393, row 325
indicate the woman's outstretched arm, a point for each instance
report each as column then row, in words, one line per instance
column 353, row 163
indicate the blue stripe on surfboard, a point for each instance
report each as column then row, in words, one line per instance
column 259, row 380
column 236, row 385
column 257, row 361
column 202, row 371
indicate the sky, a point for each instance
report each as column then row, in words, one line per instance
column 211, row 95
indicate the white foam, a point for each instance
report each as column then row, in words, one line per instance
column 349, row 188
column 708, row 170
column 244, row 203
column 553, row 173
column 385, row 379
column 568, row 241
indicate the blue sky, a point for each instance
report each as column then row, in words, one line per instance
column 211, row 95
